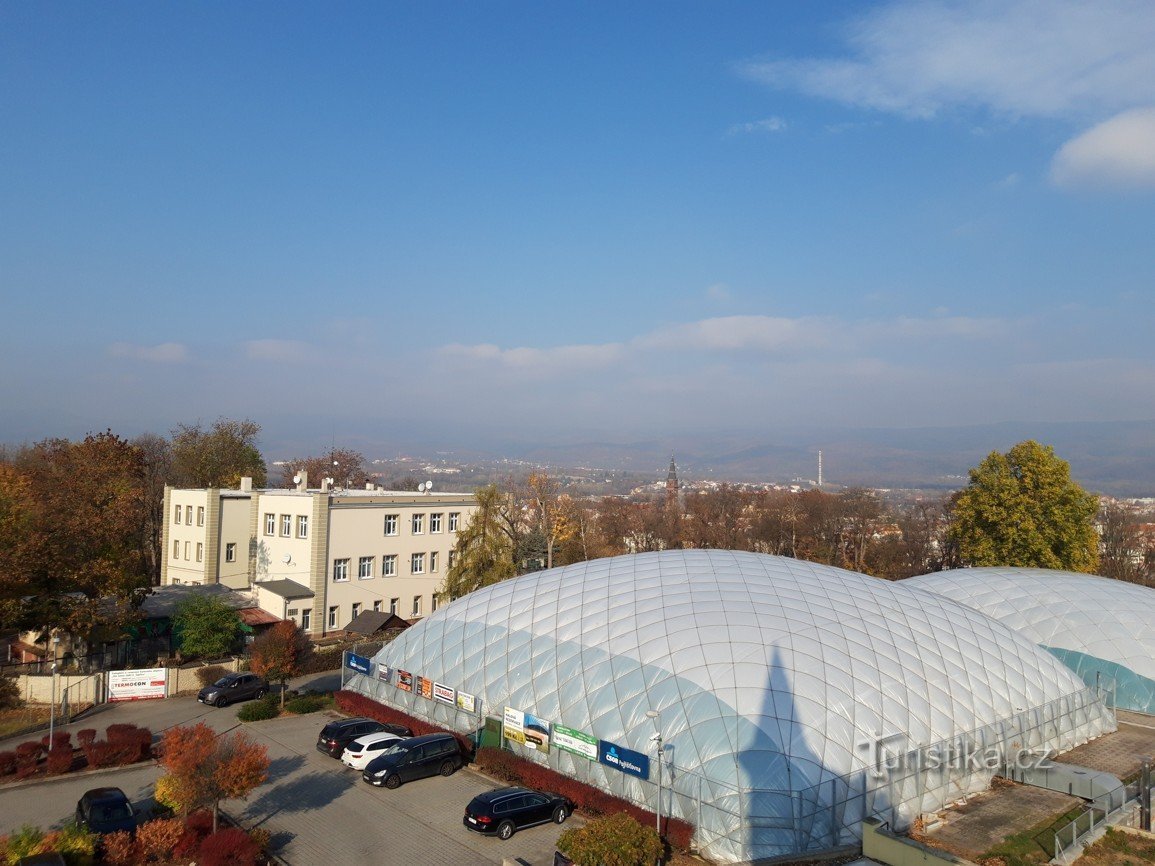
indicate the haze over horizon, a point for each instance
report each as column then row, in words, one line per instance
column 576, row 222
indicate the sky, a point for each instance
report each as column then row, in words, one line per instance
column 594, row 220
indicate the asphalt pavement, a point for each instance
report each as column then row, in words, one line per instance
column 317, row 810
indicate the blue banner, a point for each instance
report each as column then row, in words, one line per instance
column 627, row 760
column 358, row 663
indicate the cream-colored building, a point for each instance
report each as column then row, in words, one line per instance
column 323, row 555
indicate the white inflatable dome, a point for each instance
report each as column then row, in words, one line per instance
column 773, row 677
column 1102, row 629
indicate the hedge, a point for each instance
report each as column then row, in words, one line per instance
column 510, row 768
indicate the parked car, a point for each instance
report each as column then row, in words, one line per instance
column 232, row 688
column 105, row 810
column 364, row 749
column 503, row 811
column 415, row 758
column 335, row 736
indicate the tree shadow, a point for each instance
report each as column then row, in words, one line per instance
column 302, row 794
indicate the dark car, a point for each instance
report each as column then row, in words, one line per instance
column 335, row 736
column 503, row 811
column 232, row 688
column 105, row 810
column 415, row 758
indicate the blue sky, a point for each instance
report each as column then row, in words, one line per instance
column 574, row 220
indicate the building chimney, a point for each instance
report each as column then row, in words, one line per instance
column 326, row 485
column 246, row 484
column 302, row 480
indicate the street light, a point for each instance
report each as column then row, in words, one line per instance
column 656, row 739
column 52, row 702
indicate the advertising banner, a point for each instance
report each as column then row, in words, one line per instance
column 442, row 693
column 404, row 680
column 467, row 702
column 513, row 725
column 425, row 687
column 358, row 663
column 383, row 672
column 577, row 742
column 627, row 760
column 136, row 685
column 526, row 728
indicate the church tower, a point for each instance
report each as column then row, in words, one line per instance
column 672, row 483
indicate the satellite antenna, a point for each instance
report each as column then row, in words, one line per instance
column 428, row 486
column 296, row 479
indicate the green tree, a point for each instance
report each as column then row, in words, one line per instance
column 206, row 626
column 280, row 654
column 484, row 551
column 1022, row 509
column 218, row 457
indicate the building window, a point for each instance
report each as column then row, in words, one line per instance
column 340, row 569
column 418, row 524
column 333, row 611
column 270, row 524
column 200, row 552
column 390, row 524
column 389, row 565
column 186, row 550
column 394, row 605
column 365, row 567
column 433, row 603
column 231, row 552
column 433, row 562
column 356, row 609
column 417, row 605
column 176, row 514
column 176, row 550
column 306, row 619
column 293, row 613
column 454, row 516
column 302, row 526
column 434, row 522
column 376, row 605
column 417, row 564
column 286, row 525
column 200, row 515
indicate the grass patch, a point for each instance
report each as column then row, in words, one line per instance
column 19, row 721
column 1119, row 848
column 1035, row 846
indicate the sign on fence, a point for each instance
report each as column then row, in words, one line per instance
column 136, row 685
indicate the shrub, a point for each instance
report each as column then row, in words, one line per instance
column 307, row 704
column 9, row 693
column 209, row 674
column 60, row 740
column 86, row 737
column 100, row 754
column 59, row 760
column 7, row 763
column 261, row 837
column 156, row 840
column 257, row 711
column 76, row 844
column 611, row 840
column 229, row 847
column 197, row 826
column 129, row 743
column 119, row 849
column 24, row 842
column 27, row 758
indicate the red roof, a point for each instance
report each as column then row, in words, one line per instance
column 256, row 616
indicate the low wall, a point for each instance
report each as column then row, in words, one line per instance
column 90, row 688
column 878, row 843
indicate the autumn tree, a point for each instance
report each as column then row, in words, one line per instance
column 345, row 466
column 217, row 457
column 484, row 551
column 280, row 653
column 552, row 513
column 156, row 463
column 73, row 513
column 206, row 627
column 1123, row 550
column 1022, row 509
column 202, row 768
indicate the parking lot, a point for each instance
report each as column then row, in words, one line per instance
column 317, row 810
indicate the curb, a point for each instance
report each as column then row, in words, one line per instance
column 65, row 777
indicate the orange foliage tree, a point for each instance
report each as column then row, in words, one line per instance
column 280, row 653
column 204, row 768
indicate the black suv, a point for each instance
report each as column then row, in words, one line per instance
column 505, row 810
column 335, row 736
column 105, row 810
column 232, row 688
column 415, row 758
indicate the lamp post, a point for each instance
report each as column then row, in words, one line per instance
column 52, row 688
column 656, row 739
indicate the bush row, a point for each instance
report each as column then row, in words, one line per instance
column 123, row 744
column 356, row 704
column 518, row 771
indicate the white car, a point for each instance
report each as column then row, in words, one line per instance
column 365, row 748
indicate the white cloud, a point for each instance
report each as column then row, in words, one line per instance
column 164, row 353
column 759, row 333
column 279, row 350
column 718, row 292
column 1010, row 181
column 1118, row 153
column 556, row 359
column 770, row 124
column 1038, row 58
